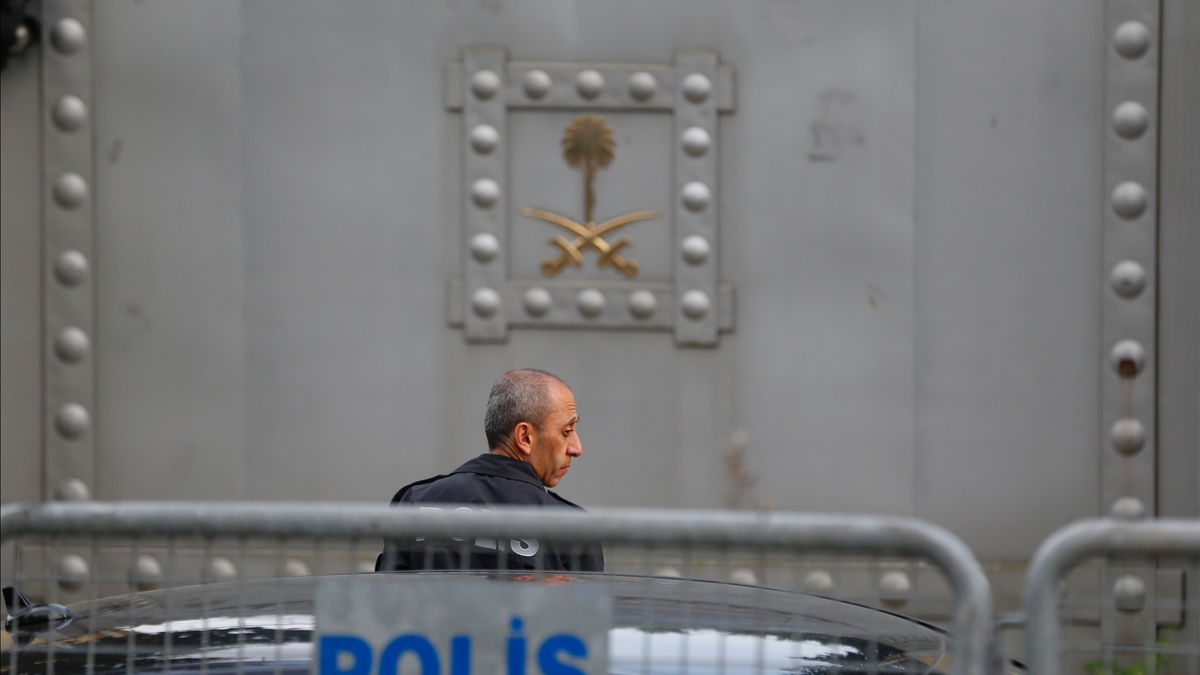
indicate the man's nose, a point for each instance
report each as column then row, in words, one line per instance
column 575, row 449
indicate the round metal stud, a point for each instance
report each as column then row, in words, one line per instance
column 72, row 345
column 590, row 303
column 71, row 268
column 537, row 301
column 696, row 196
column 894, row 587
column 696, row 88
column 72, row 490
column 589, row 83
column 1129, row 200
column 1130, row 119
column 21, row 37
column 484, row 247
column 1129, row 593
column 1127, row 436
column 695, row 305
column 1131, row 39
column 70, row 190
column 1129, row 508
column 818, row 581
column 695, row 249
column 1127, row 358
column 147, row 573
column 642, row 304
column 223, row 569
column 72, row 420
column 485, row 84
column 536, row 84
column 295, row 568
column 485, row 192
column 69, row 113
column 743, row 575
column 1128, row 279
column 642, row 86
column 72, row 572
column 485, row 301
column 484, row 138
column 68, row 36
column 696, row 141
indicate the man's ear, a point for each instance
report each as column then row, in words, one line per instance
column 523, row 438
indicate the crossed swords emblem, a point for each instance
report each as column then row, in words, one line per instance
column 588, row 145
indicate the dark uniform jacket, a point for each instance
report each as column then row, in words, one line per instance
column 487, row 480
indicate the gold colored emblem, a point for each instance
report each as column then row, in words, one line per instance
column 588, row 145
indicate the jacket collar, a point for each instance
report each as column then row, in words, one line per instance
column 500, row 466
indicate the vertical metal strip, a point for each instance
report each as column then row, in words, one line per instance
column 485, row 202
column 68, row 285
column 1130, row 247
column 696, row 205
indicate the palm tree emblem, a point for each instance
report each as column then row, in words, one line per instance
column 588, row 145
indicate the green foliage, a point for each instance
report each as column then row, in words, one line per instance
column 1160, row 661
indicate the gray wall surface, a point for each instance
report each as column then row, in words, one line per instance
column 20, row 285
column 910, row 201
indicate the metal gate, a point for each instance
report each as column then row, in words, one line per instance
column 88, row 551
column 1144, row 628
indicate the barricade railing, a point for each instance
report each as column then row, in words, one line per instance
column 1115, row 597
column 85, row 551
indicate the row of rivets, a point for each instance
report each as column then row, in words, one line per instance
column 1128, row 434
column 1131, row 82
column 67, row 215
column 590, row 303
column 147, row 571
column 485, row 192
column 483, row 118
column 695, row 113
column 895, row 587
column 589, row 84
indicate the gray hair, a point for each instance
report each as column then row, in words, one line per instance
column 518, row 396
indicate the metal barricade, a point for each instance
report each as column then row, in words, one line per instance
column 146, row 553
column 1108, row 597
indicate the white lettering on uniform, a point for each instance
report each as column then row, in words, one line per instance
column 522, row 547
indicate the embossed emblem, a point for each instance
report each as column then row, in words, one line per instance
column 506, row 281
column 588, row 145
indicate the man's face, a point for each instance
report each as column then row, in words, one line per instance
column 557, row 442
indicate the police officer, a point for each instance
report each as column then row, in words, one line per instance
column 530, row 425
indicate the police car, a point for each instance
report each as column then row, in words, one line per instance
column 471, row 623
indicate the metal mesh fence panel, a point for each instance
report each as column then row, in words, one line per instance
column 202, row 587
column 1108, row 597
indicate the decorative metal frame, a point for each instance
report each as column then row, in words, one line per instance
column 68, row 287
column 1129, row 386
column 485, row 302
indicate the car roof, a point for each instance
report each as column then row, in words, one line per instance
column 269, row 612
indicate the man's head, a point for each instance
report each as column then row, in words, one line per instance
column 531, row 417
